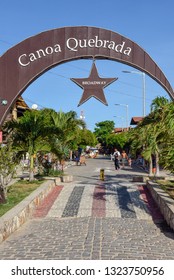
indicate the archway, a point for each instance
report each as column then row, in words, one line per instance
column 26, row 61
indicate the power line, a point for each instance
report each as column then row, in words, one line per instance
column 116, row 91
column 83, row 69
column 33, row 102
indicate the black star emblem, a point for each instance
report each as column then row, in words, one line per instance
column 93, row 86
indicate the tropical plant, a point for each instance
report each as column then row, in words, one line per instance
column 119, row 141
column 159, row 103
column 67, row 136
column 86, row 138
column 167, row 152
column 103, row 130
column 8, row 163
column 148, row 136
column 30, row 135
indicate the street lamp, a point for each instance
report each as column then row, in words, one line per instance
column 82, row 116
column 125, row 105
column 143, row 87
column 34, row 106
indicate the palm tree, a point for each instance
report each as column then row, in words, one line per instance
column 140, row 142
column 159, row 108
column 150, row 132
column 66, row 138
column 167, row 153
column 8, row 161
column 158, row 103
column 29, row 135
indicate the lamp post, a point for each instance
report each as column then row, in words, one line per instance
column 125, row 105
column 34, row 106
column 82, row 116
column 143, row 87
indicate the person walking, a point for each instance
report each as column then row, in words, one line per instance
column 78, row 155
column 124, row 158
column 129, row 160
column 116, row 159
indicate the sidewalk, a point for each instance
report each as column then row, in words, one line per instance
column 89, row 219
column 162, row 173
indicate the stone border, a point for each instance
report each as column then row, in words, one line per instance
column 63, row 178
column 19, row 214
column 66, row 178
column 164, row 202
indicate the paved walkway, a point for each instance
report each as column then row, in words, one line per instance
column 92, row 219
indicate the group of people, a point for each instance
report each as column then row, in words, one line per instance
column 121, row 157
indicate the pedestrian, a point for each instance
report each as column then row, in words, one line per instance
column 77, row 157
column 153, row 164
column 111, row 156
column 124, row 158
column 116, row 159
column 129, row 160
column 79, row 151
column 82, row 159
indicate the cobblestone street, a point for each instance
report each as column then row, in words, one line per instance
column 93, row 219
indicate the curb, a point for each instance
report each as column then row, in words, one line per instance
column 164, row 202
column 19, row 214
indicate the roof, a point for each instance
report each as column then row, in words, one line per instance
column 117, row 130
column 120, row 129
column 20, row 103
column 136, row 120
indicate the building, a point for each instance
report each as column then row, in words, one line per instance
column 16, row 112
column 136, row 120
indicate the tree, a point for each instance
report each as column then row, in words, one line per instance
column 149, row 134
column 158, row 103
column 167, row 151
column 146, row 137
column 8, row 162
column 86, row 138
column 119, row 140
column 67, row 136
column 30, row 135
column 103, row 130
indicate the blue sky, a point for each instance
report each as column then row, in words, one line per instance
column 148, row 23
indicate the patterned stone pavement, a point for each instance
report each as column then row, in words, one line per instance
column 93, row 219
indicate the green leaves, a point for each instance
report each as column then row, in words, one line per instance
column 155, row 134
column 8, row 161
column 117, row 140
column 103, row 130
